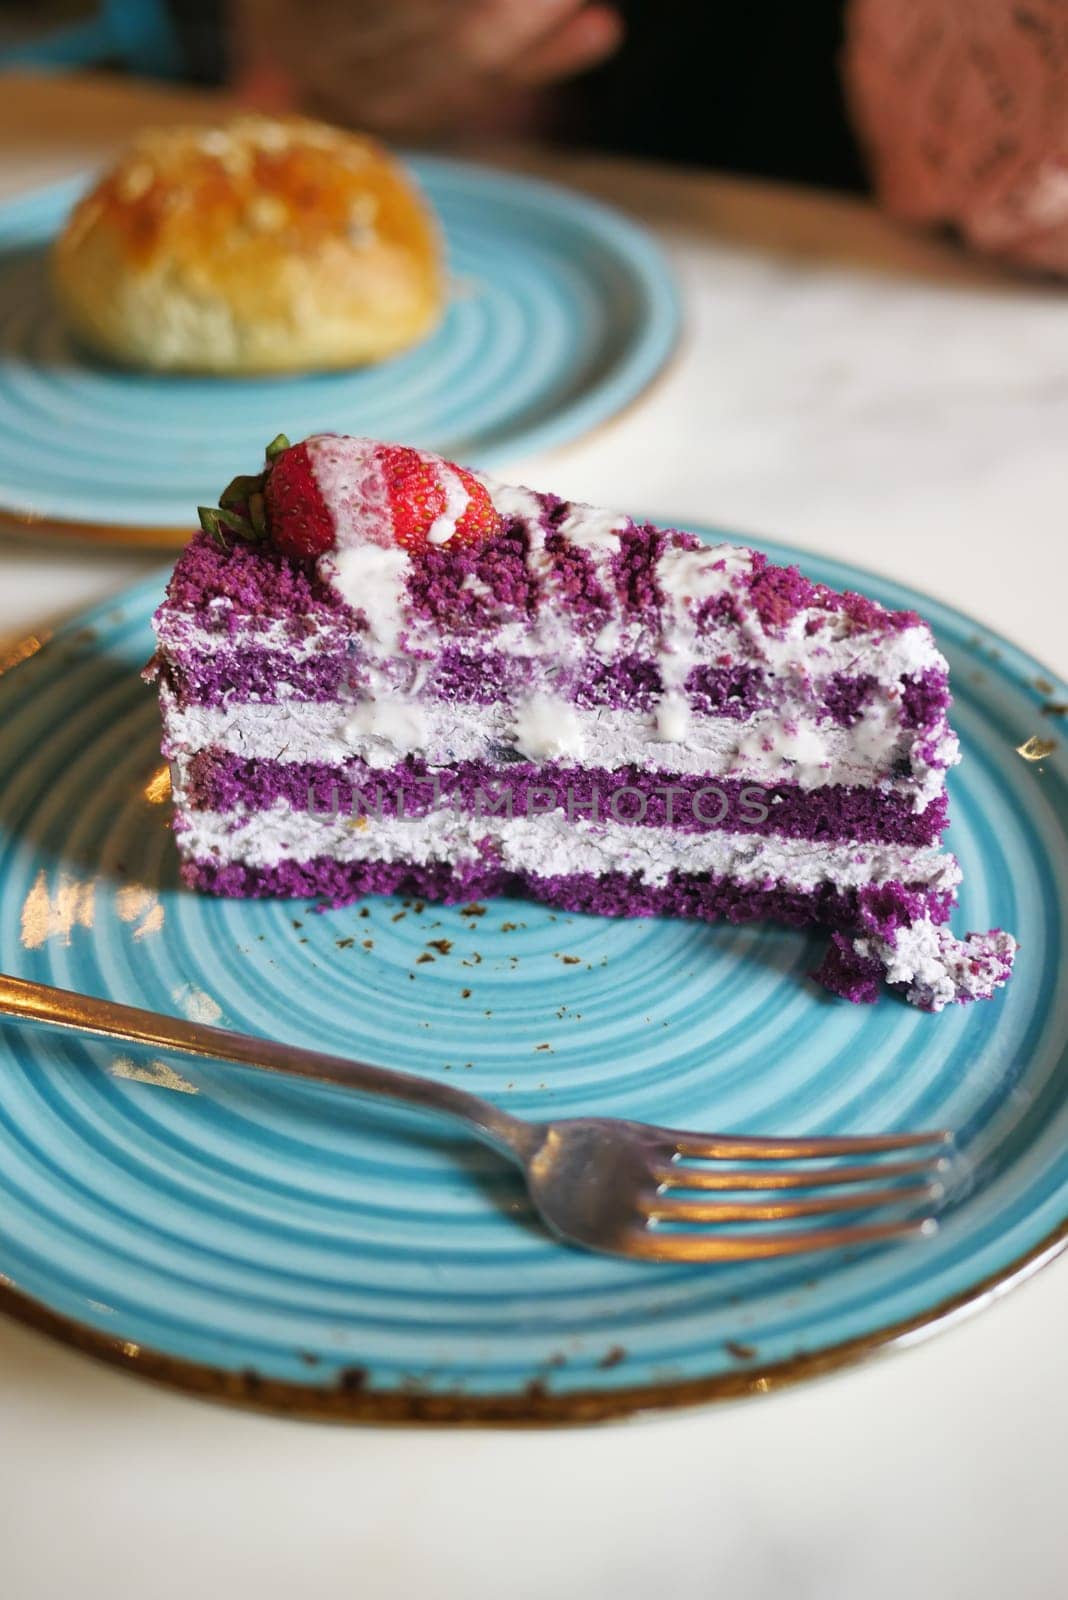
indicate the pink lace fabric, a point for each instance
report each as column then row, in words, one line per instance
column 962, row 106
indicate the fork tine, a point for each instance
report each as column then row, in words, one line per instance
column 680, row 1177
column 657, row 1245
column 667, row 1209
column 721, row 1147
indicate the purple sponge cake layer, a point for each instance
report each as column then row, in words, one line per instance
column 627, row 683
column 699, row 897
column 227, row 590
column 212, row 678
column 221, row 781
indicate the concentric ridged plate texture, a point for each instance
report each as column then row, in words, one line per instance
column 252, row 1225
column 561, row 311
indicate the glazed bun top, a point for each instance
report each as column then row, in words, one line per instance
column 262, row 245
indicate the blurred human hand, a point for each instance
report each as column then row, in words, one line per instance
column 408, row 68
column 963, row 111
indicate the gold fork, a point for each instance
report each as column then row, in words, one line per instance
column 624, row 1188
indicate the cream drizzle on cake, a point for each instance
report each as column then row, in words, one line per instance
column 372, row 579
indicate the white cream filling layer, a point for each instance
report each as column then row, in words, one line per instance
column 551, row 845
column 382, row 732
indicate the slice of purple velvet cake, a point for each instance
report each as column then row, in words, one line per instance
column 379, row 672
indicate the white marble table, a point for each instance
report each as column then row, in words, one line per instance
column 849, row 389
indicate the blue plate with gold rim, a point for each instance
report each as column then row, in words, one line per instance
column 288, row 1246
column 561, row 311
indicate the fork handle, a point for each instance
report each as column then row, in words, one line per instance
column 41, row 1005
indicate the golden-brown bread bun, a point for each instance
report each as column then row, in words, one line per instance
column 264, row 245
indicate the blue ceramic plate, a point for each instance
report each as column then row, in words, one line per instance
column 286, row 1245
column 561, row 312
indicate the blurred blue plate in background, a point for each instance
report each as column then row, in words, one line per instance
column 561, row 312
